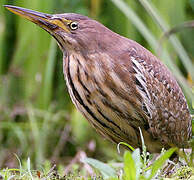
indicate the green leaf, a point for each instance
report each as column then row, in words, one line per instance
column 28, row 167
column 129, row 167
column 159, row 162
column 125, row 144
column 137, row 159
column 105, row 170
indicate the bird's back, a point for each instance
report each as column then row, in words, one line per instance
column 169, row 121
column 121, row 86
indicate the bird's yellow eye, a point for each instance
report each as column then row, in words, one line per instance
column 73, row 25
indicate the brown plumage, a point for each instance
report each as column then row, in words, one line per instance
column 117, row 84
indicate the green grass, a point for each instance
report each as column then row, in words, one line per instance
column 135, row 166
column 37, row 118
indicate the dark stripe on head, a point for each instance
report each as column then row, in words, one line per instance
column 47, row 24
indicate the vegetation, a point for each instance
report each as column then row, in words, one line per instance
column 38, row 122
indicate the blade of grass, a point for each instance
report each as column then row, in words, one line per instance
column 7, row 35
column 159, row 162
column 137, row 22
column 104, row 169
column 173, row 39
column 36, row 134
column 138, row 164
column 125, row 144
column 179, row 27
column 49, row 73
column 173, row 30
column 129, row 167
column 20, row 164
column 144, row 150
column 28, row 167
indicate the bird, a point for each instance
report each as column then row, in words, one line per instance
column 119, row 86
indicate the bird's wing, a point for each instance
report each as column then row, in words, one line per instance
column 162, row 99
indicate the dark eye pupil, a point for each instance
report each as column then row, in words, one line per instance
column 74, row 25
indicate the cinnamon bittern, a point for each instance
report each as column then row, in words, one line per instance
column 117, row 84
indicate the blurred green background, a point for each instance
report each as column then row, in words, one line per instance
column 37, row 118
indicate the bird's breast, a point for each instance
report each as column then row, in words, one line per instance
column 100, row 95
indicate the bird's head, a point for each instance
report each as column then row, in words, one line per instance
column 72, row 31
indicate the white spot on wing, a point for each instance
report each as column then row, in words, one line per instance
column 138, row 68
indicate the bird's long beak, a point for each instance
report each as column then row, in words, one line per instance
column 44, row 20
